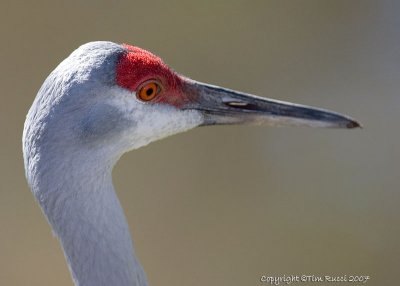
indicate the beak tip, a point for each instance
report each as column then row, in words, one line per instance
column 353, row 124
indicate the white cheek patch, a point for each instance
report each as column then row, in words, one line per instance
column 160, row 121
column 149, row 122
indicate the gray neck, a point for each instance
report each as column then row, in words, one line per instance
column 85, row 213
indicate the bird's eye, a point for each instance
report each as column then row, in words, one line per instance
column 148, row 91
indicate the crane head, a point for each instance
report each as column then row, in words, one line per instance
column 121, row 97
column 153, row 83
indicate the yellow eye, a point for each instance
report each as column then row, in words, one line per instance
column 148, row 91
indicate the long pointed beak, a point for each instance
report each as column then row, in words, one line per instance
column 224, row 106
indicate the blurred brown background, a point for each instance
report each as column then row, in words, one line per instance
column 225, row 205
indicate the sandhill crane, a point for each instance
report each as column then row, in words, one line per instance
column 100, row 102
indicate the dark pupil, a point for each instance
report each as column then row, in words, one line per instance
column 149, row 92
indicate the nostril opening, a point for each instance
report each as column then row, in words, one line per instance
column 236, row 104
column 243, row 105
